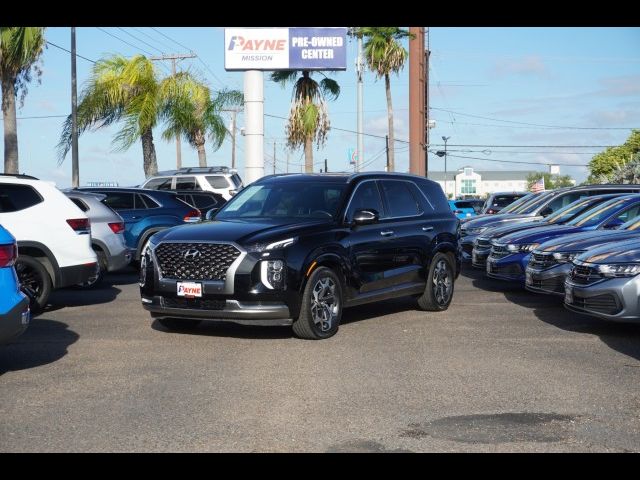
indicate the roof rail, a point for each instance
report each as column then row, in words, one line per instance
column 18, row 175
column 215, row 169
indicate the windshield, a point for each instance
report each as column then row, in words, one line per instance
column 572, row 210
column 285, row 200
column 594, row 216
column 518, row 203
column 533, row 206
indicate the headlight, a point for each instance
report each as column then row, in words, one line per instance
column 522, row 248
column 565, row 257
column 261, row 247
column 477, row 230
column 272, row 274
column 619, row 270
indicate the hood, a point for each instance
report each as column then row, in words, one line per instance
column 511, row 227
column 539, row 234
column 240, row 232
column 619, row 252
column 496, row 220
column 586, row 240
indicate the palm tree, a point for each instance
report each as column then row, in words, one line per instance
column 191, row 113
column 384, row 55
column 308, row 118
column 120, row 90
column 20, row 49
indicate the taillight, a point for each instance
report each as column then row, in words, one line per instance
column 80, row 225
column 117, row 227
column 490, row 211
column 193, row 216
column 457, row 211
column 8, row 254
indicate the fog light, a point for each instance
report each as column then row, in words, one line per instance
column 272, row 274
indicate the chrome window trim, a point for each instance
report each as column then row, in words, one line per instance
column 229, row 282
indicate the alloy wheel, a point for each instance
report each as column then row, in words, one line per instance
column 325, row 305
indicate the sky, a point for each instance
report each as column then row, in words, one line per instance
column 535, row 95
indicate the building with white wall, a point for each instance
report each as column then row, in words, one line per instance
column 468, row 182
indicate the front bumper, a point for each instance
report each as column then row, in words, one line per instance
column 510, row 268
column 466, row 243
column 479, row 258
column 549, row 281
column 247, row 313
column 616, row 299
column 15, row 321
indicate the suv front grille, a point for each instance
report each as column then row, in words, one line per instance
column 483, row 243
column 499, row 251
column 179, row 261
column 541, row 260
column 606, row 304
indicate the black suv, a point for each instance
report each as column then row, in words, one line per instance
column 297, row 249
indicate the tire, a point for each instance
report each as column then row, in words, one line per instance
column 95, row 281
column 177, row 324
column 312, row 324
column 438, row 292
column 35, row 282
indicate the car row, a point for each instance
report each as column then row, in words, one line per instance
column 587, row 253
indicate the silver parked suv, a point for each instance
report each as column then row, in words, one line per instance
column 224, row 181
column 107, row 234
column 605, row 282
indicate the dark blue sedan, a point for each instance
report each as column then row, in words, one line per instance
column 510, row 254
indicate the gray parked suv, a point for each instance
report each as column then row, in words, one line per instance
column 605, row 282
column 107, row 234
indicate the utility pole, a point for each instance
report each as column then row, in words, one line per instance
column 386, row 143
column 233, row 138
column 287, row 160
column 427, row 123
column 417, row 116
column 360, row 105
column 445, row 165
column 274, row 158
column 173, row 57
column 75, row 168
column 326, row 169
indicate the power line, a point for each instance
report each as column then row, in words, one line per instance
column 523, row 146
column 532, row 124
column 169, row 38
column 41, row 116
column 69, row 51
column 488, row 152
column 124, row 41
column 139, row 39
column 515, row 161
column 152, row 39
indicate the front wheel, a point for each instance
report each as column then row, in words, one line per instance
column 321, row 308
column 438, row 292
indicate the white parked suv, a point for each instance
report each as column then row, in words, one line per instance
column 222, row 180
column 53, row 236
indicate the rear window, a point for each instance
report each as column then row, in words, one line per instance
column 236, row 180
column 464, row 205
column 504, row 200
column 119, row 201
column 204, row 201
column 15, row 197
column 217, row 181
column 145, row 202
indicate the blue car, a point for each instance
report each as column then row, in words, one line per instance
column 510, row 254
column 462, row 208
column 146, row 212
column 14, row 305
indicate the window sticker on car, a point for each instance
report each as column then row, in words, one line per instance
column 247, row 194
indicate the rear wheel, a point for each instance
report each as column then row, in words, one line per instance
column 177, row 324
column 35, row 282
column 321, row 308
column 438, row 292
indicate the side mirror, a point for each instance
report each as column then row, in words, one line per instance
column 613, row 224
column 211, row 213
column 365, row 216
column 546, row 212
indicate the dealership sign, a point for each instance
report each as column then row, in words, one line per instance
column 285, row 49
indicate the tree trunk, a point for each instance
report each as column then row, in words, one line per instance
column 202, row 155
column 308, row 154
column 10, row 125
column 387, row 86
column 149, row 154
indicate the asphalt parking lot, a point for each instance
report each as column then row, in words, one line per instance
column 501, row 370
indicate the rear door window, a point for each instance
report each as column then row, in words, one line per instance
column 162, row 183
column 399, row 198
column 186, row 183
column 16, row 197
column 145, row 202
column 119, row 200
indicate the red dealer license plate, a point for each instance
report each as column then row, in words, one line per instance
column 189, row 289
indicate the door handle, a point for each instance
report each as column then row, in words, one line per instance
column 427, row 229
column 386, row 233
